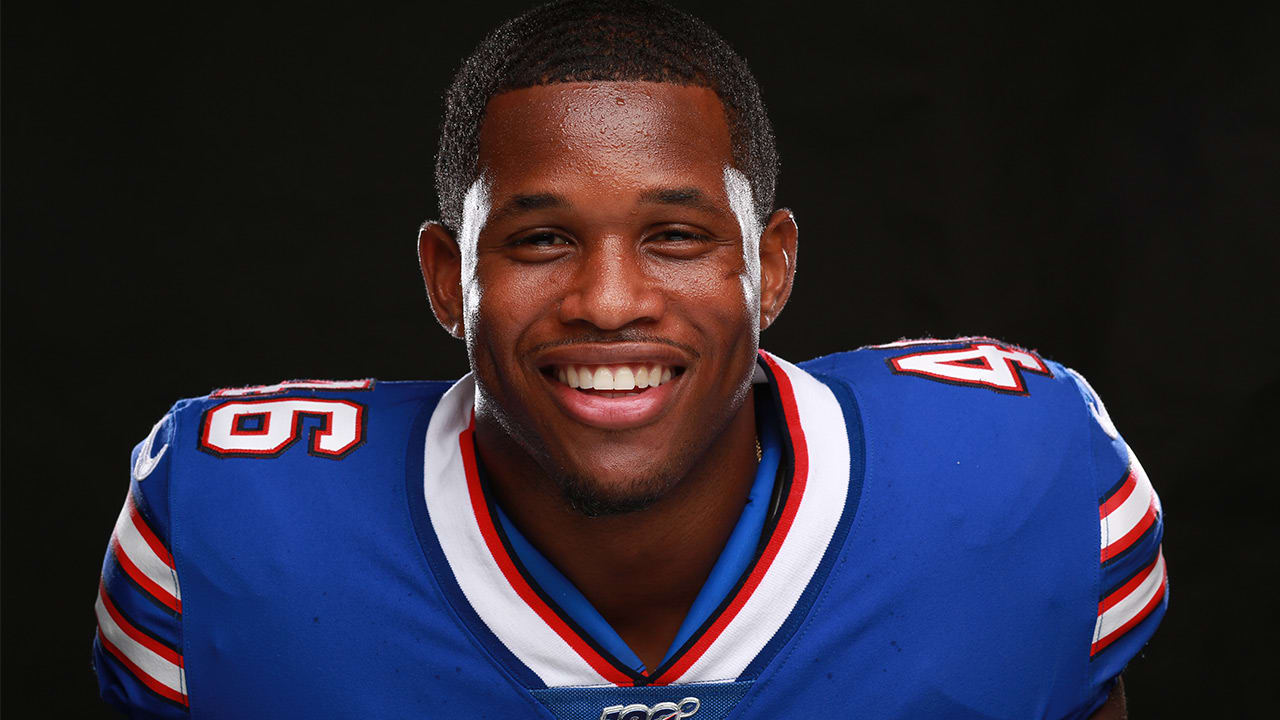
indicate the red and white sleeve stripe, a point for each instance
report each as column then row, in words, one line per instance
column 1128, row 513
column 1129, row 604
column 144, row 557
column 155, row 664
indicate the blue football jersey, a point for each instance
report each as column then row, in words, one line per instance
column 949, row 529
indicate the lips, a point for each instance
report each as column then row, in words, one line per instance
column 614, row 386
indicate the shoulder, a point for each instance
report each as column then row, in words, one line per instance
column 266, row 420
column 964, row 377
column 240, row 473
column 295, row 423
column 366, row 391
column 1020, row 458
column 966, row 362
column 981, row 395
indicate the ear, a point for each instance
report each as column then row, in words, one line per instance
column 777, row 264
column 441, row 264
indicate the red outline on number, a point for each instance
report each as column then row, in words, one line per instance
column 295, row 428
column 1015, row 367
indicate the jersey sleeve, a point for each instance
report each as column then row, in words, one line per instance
column 1133, row 584
column 137, row 650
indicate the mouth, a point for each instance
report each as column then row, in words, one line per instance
column 616, row 380
column 618, row 386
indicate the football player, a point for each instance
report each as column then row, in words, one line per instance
column 627, row 511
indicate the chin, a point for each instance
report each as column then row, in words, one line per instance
column 595, row 497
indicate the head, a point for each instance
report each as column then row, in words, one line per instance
column 606, row 175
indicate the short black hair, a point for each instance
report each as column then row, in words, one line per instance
column 597, row 41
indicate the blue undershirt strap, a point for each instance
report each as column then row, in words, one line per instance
column 562, row 591
column 743, row 542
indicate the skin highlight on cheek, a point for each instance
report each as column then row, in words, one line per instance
column 475, row 211
column 738, row 189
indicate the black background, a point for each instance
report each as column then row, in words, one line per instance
column 197, row 198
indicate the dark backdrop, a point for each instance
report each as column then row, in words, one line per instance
column 202, row 198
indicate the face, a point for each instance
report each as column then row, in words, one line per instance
column 608, row 284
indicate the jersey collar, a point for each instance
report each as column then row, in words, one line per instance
column 485, row 580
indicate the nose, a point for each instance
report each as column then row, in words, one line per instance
column 610, row 288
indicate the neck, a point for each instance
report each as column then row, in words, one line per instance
column 641, row 570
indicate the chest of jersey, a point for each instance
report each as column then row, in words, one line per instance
column 935, row 585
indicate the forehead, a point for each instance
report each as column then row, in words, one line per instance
column 619, row 132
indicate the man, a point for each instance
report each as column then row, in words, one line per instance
column 626, row 510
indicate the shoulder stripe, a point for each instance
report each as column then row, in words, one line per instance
column 154, row 664
column 1121, row 493
column 1129, row 604
column 132, row 630
column 1127, row 513
column 145, row 531
column 144, row 557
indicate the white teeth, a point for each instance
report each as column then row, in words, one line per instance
column 603, row 379
column 621, row 378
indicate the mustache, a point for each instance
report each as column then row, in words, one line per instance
column 618, row 336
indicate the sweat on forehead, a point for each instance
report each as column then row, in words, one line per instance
column 615, row 129
column 584, row 41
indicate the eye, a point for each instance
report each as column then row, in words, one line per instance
column 541, row 239
column 682, row 236
column 681, row 243
column 538, row 246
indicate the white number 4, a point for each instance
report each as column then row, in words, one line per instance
column 983, row 364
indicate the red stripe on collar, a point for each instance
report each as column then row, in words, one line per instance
column 466, row 443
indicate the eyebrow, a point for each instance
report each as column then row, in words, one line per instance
column 518, row 204
column 690, row 197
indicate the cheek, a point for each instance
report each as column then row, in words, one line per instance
column 719, row 298
column 504, row 301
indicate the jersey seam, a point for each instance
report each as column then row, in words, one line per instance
column 1087, row 416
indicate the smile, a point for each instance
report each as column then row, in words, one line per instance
column 615, row 386
column 615, row 380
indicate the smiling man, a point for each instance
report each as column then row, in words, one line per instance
column 627, row 511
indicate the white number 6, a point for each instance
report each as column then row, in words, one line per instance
column 266, row 428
